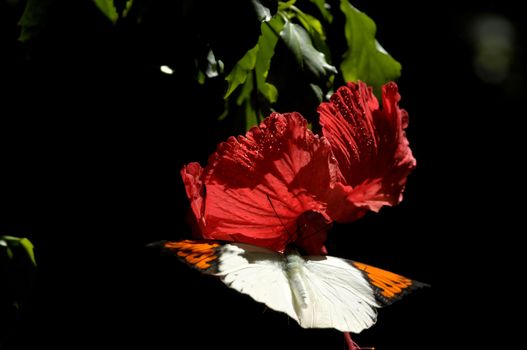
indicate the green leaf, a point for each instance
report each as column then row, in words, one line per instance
column 245, row 102
column 321, row 4
column 310, row 23
column 239, row 73
column 251, row 116
column 14, row 243
column 317, row 91
column 267, row 43
column 258, row 58
column 315, row 30
column 107, row 7
column 297, row 40
column 33, row 18
column 226, row 112
column 284, row 5
column 249, row 76
column 200, row 77
column 249, row 104
column 246, row 90
column 28, row 246
column 365, row 59
column 127, row 7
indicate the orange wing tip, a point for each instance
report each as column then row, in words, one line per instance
column 201, row 255
column 388, row 286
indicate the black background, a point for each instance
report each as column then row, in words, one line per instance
column 93, row 137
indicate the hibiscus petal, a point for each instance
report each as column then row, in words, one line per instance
column 259, row 185
column 371, row 148
column 192, row 179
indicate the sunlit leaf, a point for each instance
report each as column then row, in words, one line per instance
column 297, row 40
column 214, row 66
column 16, row 245
column 263, row 13
column 365, row 59
column 28, row 246
column 107, row 7
column 207, row 66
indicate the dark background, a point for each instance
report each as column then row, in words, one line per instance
column 92, row 138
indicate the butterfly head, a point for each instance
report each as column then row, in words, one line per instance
column 309, row 235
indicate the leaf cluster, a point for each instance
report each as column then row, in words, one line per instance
column 258, row 56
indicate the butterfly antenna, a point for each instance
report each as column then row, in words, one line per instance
column 280, row 219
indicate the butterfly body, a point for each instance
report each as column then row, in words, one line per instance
column 315, row 291
column 294, row 271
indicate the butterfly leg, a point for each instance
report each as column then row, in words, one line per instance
column 351, row 344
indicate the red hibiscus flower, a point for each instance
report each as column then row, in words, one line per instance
column 266, row 188
column 282, row 184
column 370, row 145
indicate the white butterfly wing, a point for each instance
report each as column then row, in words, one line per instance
column 340, row 296
column 316, row 291
column 257, row 272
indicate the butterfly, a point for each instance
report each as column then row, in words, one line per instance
column 315, row 291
